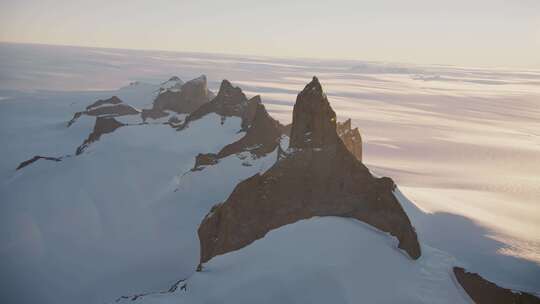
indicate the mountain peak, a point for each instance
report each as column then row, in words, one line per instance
column 230, row 101
column 321, row 178
column 229, row 94
column 198, row 84
column 314, row 84
column 199, row 80
column 314, row 121
column 173, row 84
column 226, row 88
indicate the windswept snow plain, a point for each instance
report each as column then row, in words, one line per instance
column 462, row 143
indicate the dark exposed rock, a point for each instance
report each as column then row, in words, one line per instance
column 320, row 177
column 111, row 107
column 36, row 158
column 262, row 131
column 262, row 136
column 343, row 127
column 174, row 287
column 174, row 83
column 113, row 110
column 230, row 101
column 483, row 291
column 205, row 159
column 314, row 121
column 351, row 138
column 187, row 99
column 174, row 121
column 249, row 112
column 286, row 129
column 74, row 119
column 152, row 113
column 113, row 100
column 103, row 125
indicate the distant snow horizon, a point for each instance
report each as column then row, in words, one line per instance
column 362, row 66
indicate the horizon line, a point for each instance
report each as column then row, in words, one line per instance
column 277, row 57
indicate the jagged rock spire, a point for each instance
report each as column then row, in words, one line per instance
column 314, row 121
column 351, row 138
column 263, row 134
column 230, row 101
column 327, row 181
column 228, row 94
column 250, row 111
column 180, row 97
column 113, row 100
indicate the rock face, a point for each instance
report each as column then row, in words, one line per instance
column 230, row 101
column 250, row 111
column 113, row 110
column 262, row 131
column 483, row 291
column 186, row 99
column 314, row 121
column 36, row 158
column 318, row 177
column 262, row 136
column 111, row 107
column 103, row 125
column 111, row 101
column 173, row 84
column 351, row 138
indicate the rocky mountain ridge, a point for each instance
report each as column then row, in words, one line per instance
column 319, row 177
column 180, row 98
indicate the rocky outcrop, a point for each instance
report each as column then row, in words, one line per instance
column 483, row 291
column 173, row 84
column 186, row 99
column 262, row 136
column 113, row 110
column 230, row 101
column 205, row 159
column 102, row 126
column 111, row 101
column 36, row 158
column 314, row 121
column 250, row 111
column 318, row 177
column 351, row 138
column 286, row 129
column 174, row 287
column 111, row 107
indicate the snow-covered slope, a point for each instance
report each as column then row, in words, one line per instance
column 320, row 260
column 128, row 204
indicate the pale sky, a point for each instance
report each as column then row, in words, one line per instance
column 500, row 33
